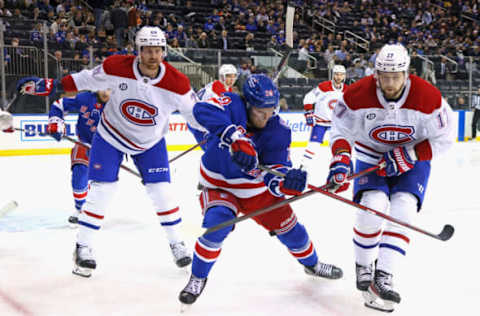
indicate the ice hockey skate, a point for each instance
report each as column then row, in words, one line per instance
column 380, row 294
column 73, row 219
column 191, row 292
column 181, row 256
column 324, row 270
column 364, row 276
column 84, row 261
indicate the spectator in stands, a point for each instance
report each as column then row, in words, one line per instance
column 203, row 41
column 329, row 54
column 248, row 43
column 251, row 25
column 119, row 19
column 370, row 69
column 4, row 11
column 36, row 35
column 222, row 42
column 81, row 44
column 476, row 113
column 441, row 69
column 209, row 25
column 461, row 105
column 17, row 15
column 181, row 35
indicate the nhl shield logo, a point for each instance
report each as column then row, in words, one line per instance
column 138, row 112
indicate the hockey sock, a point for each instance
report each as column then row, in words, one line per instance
column 299, row 245
column 368, row 228
column 208, row 247
column 79, row 184
column 169, row 221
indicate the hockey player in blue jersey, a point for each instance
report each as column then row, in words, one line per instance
column 89, row 106
column 245, row 132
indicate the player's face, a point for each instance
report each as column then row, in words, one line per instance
column 151, row 56
column 104, row 95
column 339, row 78
column 391, row 83
column 230, row 80
column 259, row 117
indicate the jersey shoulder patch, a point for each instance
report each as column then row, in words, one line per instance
column 120, row 66
column 362, row 94
column 174, row 81
column 423, row 96
column 218, row 87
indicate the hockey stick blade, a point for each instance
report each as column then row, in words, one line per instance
column 7, row 208
column 446, row 233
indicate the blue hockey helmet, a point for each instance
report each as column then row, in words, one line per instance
column 260, row 92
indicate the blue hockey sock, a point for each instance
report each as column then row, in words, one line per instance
column 79, row 184
column 299, row 245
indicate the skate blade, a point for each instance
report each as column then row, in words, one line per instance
column 376, row 303
column 184, row 308
column 83, row 272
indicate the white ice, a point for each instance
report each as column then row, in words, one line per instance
column 255, row 275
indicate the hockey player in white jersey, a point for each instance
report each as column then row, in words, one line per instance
column 403, row 121
column 145, row 91
column 318, row 105
column 6, row 121
column 227, row 76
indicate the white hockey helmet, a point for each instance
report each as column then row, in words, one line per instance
column 339, row 68
column 392, row 58
column 226, row 69
column 151, row 36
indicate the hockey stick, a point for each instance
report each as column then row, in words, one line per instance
column 187, row 151
column 444, row 235
column 282, row 203
column 288, row 41
column 10, row 206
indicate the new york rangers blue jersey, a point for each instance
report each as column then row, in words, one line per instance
column 89, row 110
column 217, row 170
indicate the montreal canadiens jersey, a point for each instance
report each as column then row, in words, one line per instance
column 324, row 98
column 421, row 120
column 137, row 114
column 89, row 110
column 217, row 170
column 212, row 90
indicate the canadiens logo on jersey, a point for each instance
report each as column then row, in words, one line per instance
column 332, row 103
column 393, row 134
column 138, row 112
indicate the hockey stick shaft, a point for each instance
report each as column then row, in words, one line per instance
column 444, row 235
column 290, row 14
column 281, row 203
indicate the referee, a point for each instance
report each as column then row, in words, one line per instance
column 476, row 113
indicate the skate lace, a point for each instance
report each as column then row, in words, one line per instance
column 364, row 273
column 384, row 281
column 85, row 253
column 195, row 285
column 179, row 250
column 323, row 269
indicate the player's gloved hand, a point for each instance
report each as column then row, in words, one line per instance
column 309, row 116
column 56, row 127
column 241, row 148
column 294, row 182
column 396, row 161
column 6, row 122
column 37, row 86
column 340, row 168
column 8, row 130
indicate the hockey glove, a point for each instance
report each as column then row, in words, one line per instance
column 56, row 127
column 340, row 168
column 37, row 86
column 294, row 182
column 6, row 122
column 397, row 162
column 309, row 116
column 241, row 148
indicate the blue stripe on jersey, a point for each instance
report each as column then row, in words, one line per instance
column 89, row 225
column 364, row 246
column 171, row 223
column 400, row 250
column 116, row 138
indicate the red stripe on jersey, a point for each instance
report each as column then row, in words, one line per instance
column 392, row 234
column 366, row 235
column 304, row 253
column 224, row 184
column 93, row 215
column 80, row 195
column 120, row 66
column 174, row 80
column 120, row 134
column 168, row 212
column 309, row 152
column 369, row 148
column 424, row 150
column 218, row 87
column 206, row 253
column 69, row 84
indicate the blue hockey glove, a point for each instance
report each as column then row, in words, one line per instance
column 241, row 148
column 294, row 182
column 397, row 162
column 56, row 127
column 37, row 86
column 340, row 168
